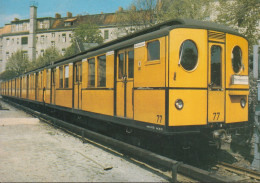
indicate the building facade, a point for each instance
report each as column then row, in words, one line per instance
column 33, row 36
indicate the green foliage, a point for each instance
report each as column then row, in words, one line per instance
column 51, row 54
column 17, row 64
column 242, row 15
column 7, row 75
column 193, row 9
column 87, row 33
column 71, row 50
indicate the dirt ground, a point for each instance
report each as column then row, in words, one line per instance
column 32, row 151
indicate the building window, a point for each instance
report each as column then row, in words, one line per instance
column 7, row 55
column 101, row 72
column 17, row 40
column 24, row 40
column 41, row 25
column 25, row 54
column 7, row 41
column 53, row 43
column 91, row 72
column 61, row 77
column 63, row 38
column 106, row 34
column 52, row 34
column 66, row 82
column 42, row 39
column 153, row 49
column 42, row 52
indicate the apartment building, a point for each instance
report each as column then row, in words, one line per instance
column 33, row 36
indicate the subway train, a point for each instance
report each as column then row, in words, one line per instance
column 182, row 78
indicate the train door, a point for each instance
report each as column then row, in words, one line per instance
column 36, row 86
column 77, row 85
column 125, row 83
column 27, row 86
column 216, row 83
column 53, row 87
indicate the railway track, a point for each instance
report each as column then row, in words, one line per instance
column 174, row 170
column 240, row 170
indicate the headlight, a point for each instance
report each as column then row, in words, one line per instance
column 179, row 104
column 243, row 103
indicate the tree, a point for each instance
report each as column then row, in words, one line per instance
column 84, row 33
column 140, row 14
column 193, row 9
column 51, row 54
column 242, row 15
column 17, row 64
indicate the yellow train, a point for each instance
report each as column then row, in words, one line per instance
column 179, row 77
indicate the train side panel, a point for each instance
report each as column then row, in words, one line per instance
column 149, row 83
column 63, row 95
column 236, row 90
column 93, row 95
column 188, row 85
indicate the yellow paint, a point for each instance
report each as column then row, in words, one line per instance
column 150, row 73
column 234, row 111
column 198, row 77
column 149, row 106
column 194, row 111
column 216, row 95
column 94, row 99
column 233, row 41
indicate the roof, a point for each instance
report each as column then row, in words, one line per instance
column 70, row 20
column 143, row 35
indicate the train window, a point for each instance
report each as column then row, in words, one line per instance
column 61, row 77
column 153, row 49
column 91, row 72
column 188, row 55
column 120, row 65
column 130, row 64
column 236, row 59
column 66, row 81
column 101, row 75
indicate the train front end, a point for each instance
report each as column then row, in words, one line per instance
column 208, row 80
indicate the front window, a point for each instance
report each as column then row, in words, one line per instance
column 236, row 59
column 188, row 56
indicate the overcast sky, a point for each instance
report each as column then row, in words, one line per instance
column 10, row 9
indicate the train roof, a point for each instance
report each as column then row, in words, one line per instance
column 153, row 32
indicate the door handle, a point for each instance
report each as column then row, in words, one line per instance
column 210, row 84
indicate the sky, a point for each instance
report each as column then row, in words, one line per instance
column 10, row 9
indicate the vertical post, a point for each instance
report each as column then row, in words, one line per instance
column 255, row 61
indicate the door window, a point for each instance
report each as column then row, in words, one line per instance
column 120, row 65
column 131, row 64
column 216, row 59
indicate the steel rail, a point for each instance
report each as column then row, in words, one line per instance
column 240, row 170
column 148, row 156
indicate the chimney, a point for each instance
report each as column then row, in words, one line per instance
column 32, row 33
column 101, row 13
column 120, row 9
column 69, row 14
column 57, row 15
column 16, row 19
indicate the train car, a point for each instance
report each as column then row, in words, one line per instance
column 181, row 77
